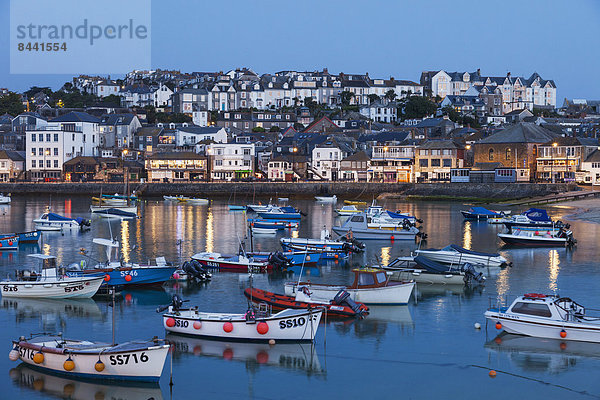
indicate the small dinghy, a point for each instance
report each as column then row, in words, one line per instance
column 297, row 325
column 5, row 199
column 346, row 211
column 49, row 221
column 50, row 282
column 176, row 198
column 29, row 237
column 237, row 263
column 425, row 271
column 281, row 213
column 263, row 231
column 481, row 213
column 355, row 202
column 326, row 199
column 457, row 255
column 532, row 218
column 341, row 305
column 287, row 257
column 541, row 237
column 136, row 360
column 259, row 207
column 198, row 202
column 371, row 286
column 274, row 224
column 328, row 247
column 546, row 316
column 233, row 207
column 115, row 213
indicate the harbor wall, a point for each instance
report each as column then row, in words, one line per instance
column 499, row 191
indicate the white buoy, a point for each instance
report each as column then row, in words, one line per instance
column 477, row 325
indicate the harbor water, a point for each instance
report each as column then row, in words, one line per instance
column 428, row 349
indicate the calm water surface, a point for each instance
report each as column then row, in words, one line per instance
column 428, row 349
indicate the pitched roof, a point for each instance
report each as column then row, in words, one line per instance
column 200, row 130
column 360, row 156
column 524, row 132
column 178, row 155
column 573, row 141
column 117, row 119
column 150, row 131
column 594, row 156
column 76, row 116
column 11, row 155
column 441, row 144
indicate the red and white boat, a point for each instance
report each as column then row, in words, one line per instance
column 238, row 263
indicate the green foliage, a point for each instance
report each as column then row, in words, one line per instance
column 373, row 98
column 540, row 112
column 390, row 95
column 177, row 118
column 275, row 128
column 73, row 99
column 298, row 126
column 112, row 99
column 35, row 89
column 257, row 129
column 11, row 104
column 150, row 114
column 346, row 96
column 451, row 113
column 416, row 107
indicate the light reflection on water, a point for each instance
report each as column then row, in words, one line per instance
column 432, row 337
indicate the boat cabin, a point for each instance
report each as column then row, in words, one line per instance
column 546, row 306
column 368, row 278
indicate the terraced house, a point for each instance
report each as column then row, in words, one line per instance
column 435, row 158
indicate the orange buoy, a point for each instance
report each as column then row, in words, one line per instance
column 262, row 328
column 128, row 297
column 262, row 357
column 99, row 366
column 197, row 350
column 128, row 278
column 228, row 354
column 38, row 358
column 563, row 334
column 392, row 238
column 197, row 325
column 498, row 325
column 69, row 365
column 492, row 374
column 227, row 327
column 170, row 322
column 106, row 278
column 336, row 256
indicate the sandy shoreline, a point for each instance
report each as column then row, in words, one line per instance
column 587, row 210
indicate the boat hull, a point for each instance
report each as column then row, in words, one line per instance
column 395, row 294
column 532, row 241
column 46, row 225
column 130, row 209
column 454, row 258
column 545, row 328
column 280, row 216
column 421, row 276
column 289, row 325
column 69, row 288
column 141, row 275
column 376, row 234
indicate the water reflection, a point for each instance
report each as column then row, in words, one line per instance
column 31, row 379
column 554, row 269
column 297, row 357
column 542, row 355
column 467, row 239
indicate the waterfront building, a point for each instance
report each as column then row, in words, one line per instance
column 12, row 165
column 189, row 136
column 101, row 169
column 561, row 159
column 231, row 161
column 326, row 162
column 355, row 167
column 176, row 167
column 435, row 158
column 591, row 169
column 393, row 162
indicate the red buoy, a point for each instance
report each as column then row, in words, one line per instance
column 128, row 278
column 106, row 278
column 227, row 327
column 562, row 345
column 498, row 325
column 492, row 374
column 262, row 328
column 170, row 322
column 10, row 243
column 563, row 334
column 392, row 238
column 197, row 325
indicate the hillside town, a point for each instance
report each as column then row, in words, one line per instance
column 170, row 126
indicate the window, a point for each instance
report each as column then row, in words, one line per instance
column 48, row 163
column 33, row 137
column 447, row 162
column 246, row 163
column 246, row 152
column 55, row 163
column 357, row 218
column 32, row 163
column 508, row 152
column 381, row 277
column 40, row 137
column 435, row 162
column 56, row 151
column 56, row 137
column 33, row 151
column 537, row 309
column 424, row 162
column 47, row 137
column 218, row 163
column 491, row 155
column 366, row 279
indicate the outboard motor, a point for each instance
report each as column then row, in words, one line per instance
column 343, row 298
column 471, row 276
column 176, row 303
column 278, row 260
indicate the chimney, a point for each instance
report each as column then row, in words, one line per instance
column 479, row 71
column 325, row 71
column 508, row 74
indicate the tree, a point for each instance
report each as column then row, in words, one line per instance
column 416, row 107
column 373, row 98
column 452, row 114
column 150, row 114
column 36, row 89
column 390, row 95
column 258, row 129
column 346, row 96
column 11, row 104
column 112, row 99
column 275, row 128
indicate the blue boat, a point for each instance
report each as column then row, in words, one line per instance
column 292, row 257
column 481, row 213
column 281, row 213
column 121, row 275
column 9, row 243
column 233, row 207
column 272, row 224
column 25, row 237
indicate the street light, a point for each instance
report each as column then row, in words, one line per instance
column 294, row 151
column 552, row 160
column 46, row 153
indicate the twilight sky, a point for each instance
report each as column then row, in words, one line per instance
column 558, row 39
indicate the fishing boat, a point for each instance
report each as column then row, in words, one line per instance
column 135, row 360
column 357, row 226
column 326, row 199
column 370, row 286
column 9, row 243
column 541, row 237
column 198, row 202
column 259, row 207
column 274, row 224
column 324, row 243
column 281, row 213
column 546, row 316
column 49, row 221
column 297, row 325
column 118, row 274
column 341, row 305
column 5, row 199
column 289, row 257
column 233, row 207
column 457, row 255
column 49, row 282
column 239, row 263
column 346, row 211
column 355, row 202
column 534, row 217
column 115, row 213
column 481, row 213
column 28, row 237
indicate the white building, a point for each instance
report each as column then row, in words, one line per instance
column 231, row 161
column 66, row 137
column 106, row 88
column 190, row 135
column 200, row 118
column 380, row 112
column 162, row 96
column 591, row 169
column 11, row 165
column 325, row 162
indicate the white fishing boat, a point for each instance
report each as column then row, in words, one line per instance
column 255, row 325
column 129, row 209
column 424, row 270
column 542, row 237
column 260, row 207
column 457, row 255
column 546, row 316
column 358, row 226
column 49, row 221
column 176, row 198
column 5, row 199
column 198, row 202
column 326, row 199
column 346, row 211
column 50, row 282
column 135, row 360
column 371, row 286
column 263, row 231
